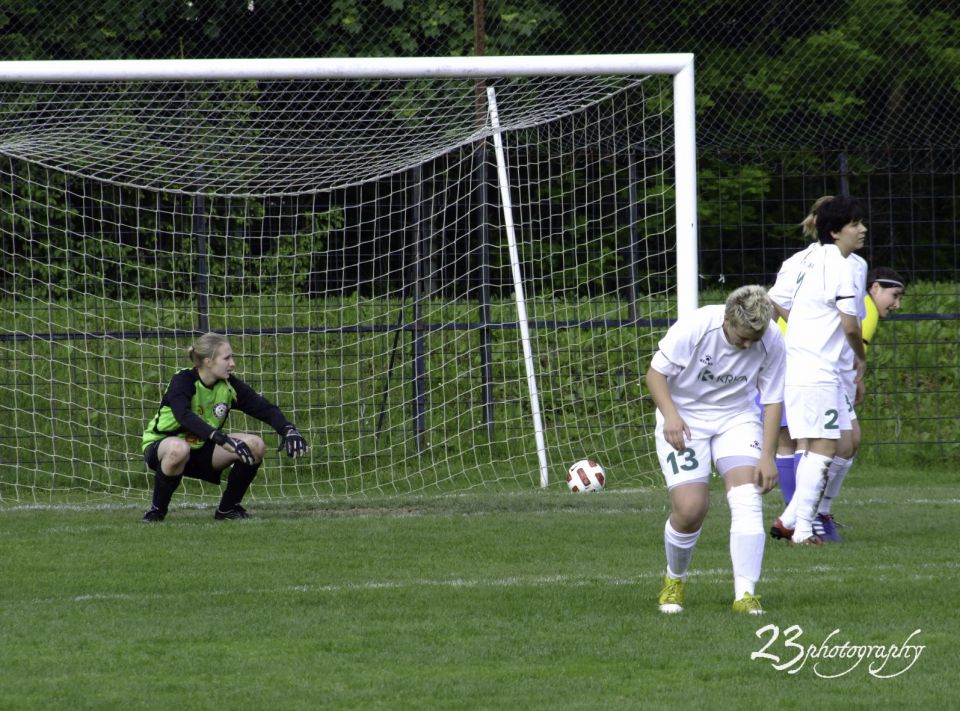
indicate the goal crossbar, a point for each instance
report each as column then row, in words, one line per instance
column 342, row 68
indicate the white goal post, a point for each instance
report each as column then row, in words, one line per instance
column 344, row 220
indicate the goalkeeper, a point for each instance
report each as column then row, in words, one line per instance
column 186, row 437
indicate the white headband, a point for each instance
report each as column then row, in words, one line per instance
column 888, row 283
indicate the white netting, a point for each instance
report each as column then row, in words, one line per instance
column 347, row 235
column 266, row 138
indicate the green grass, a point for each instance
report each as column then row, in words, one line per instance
column 511, row 601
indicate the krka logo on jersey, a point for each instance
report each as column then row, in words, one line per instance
column 708, row 376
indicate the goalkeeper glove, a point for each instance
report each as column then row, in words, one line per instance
column 233, row 445
column 293, row 442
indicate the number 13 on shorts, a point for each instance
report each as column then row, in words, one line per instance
column 739, row 438
column 689, row 464
column 688, row 461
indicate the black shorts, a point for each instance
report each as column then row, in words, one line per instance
column 199, row 465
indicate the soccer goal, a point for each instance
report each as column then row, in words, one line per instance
column 449, row 273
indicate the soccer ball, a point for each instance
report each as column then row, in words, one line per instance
column 586, row 475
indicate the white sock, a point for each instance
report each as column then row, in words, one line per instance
column 835, row 476
column 789, row 516
column 679, row 548
column 811, row 478
column 747, row 537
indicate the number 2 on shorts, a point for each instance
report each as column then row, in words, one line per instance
column 833, row 416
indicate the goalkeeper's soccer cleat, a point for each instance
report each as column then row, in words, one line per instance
column 671, row 596
column 234, row 514
column 825, row 527
column 780, row 532
column 153, row 515
column 748, row 605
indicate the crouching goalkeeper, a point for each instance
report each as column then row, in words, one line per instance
column 186, row 437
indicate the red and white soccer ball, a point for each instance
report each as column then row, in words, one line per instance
column 586, row 475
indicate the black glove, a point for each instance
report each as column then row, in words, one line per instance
column 233, row 445
column 293, row 442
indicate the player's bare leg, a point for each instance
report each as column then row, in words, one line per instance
column 689, row 505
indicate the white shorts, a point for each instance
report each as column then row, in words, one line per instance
column 739, row 437
column 817, row 411
column 850, row 390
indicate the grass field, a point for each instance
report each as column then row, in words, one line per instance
column 539, row 600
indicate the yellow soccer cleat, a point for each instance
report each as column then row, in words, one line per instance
column 671, row 596
column 748, row 605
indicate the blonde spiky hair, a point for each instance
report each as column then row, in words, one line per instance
column 749, row 308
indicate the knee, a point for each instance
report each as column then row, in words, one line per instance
column 688, row 516
column 845, row 450
column 257, row 446
column 847, row 447
column 746, row 509
column 823, row 447
column 176, row 453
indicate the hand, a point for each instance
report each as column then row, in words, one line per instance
column 765, row 476
column 861, row 367
column 293, row 442
column 674, row 431
column 234, row 446
column 860, row 394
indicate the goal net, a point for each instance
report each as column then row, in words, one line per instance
column 428, row 326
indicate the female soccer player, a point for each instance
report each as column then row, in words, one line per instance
column 788, row 453
column 884, row 291
column 782, row 292
column 185, row 437
column 823, row 305
column 703, row 380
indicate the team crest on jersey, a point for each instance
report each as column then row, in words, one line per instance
column 220, row 410
column 707, row 360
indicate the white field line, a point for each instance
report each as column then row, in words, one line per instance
column 934, row 571
column 534, row 581
column 378, row 509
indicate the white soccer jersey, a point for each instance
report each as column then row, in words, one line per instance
column 783, row 290
column 711, row 379
column 859, row 266
column 825, row 287
column 786, row 285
